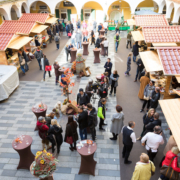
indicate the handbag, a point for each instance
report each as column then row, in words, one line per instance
column 69, row 139
column 23, row 62
column 152, row 172
column 48, row 68
column 146, row 98
column 169, row 172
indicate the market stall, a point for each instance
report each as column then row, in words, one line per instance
column 9, row 81
column 171, row 112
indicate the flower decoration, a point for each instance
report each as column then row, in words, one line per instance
column 44, row 164
column 17, row 140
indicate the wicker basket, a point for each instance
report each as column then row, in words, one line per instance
column 80, row 67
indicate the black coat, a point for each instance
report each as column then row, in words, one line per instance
column 108, row 67
column 57, row 132
column 98, row 41
column 139, row 62
column 82, row 100
column 151, row 125
column 25, row 56
column 92, row 118
column 71, row 130
column 88, row 90
column 147, row 120
column 83, row 120
column 46, row 62
column 136, row 50
column 60, row 26
column 154, row 99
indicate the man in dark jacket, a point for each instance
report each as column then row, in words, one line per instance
column 151, row 125
column 89, row 90
column 92, row 120
column 140, row 67
column 46, row 63
column 99, row 28
column 83, row 122
column 26, row 60
column 71, row 27
column 56, row 69
column 82, row 98
column 57, row 28
column 60, row 28
column 135, row 51
column 108, row 66
column 98, row 42
column 49, row 34
column 38, row 55
column 154, row 98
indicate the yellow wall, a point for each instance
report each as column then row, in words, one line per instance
column 124, row 6
column 39, row 3
column 73, row 9
column 93, row 5
column 146, row 3
column 1, row 20
column 172, row 14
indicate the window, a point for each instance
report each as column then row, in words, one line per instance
column 87, row 14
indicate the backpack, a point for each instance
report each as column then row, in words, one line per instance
column 56, row 38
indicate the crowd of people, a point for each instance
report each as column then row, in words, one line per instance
column 88, row 116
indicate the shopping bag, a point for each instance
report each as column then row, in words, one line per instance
column 48, row 68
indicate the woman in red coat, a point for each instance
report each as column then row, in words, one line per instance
column 172, row 154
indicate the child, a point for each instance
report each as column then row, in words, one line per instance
column 128, row 64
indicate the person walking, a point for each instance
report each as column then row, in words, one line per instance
column 99, row 28
column 45, row 63
column 83, row 122
column 113, row 82
column 117, row 28
column 82, row 98
column 147, row 118
column 102, row 113
column 56, row 70
column 140, row 67
column 171, row 160
column 94, row 25
column 103, row 89
column 144, row 168
column 135, row 50
column 71, row 133
column 54, row 30
column 117, row 40
column 71, row 27
column 144, row 81
column 21, row 62
column 105, row 24
column 92, row 37
column 73, row 39
column 43, row 131
column 49, row 32
column 154, row 98
column 98, row 42
column 108, row 66
column 37, row 43
column 57, row 40
column 57, row 28
column 84, row 24
column 79, row 24
column 129, row 138
column 60, row 29
column 92, row 120
column 67, row 51
column 64, row 26
column 153, row 140
column 79, row 39
column 106, row 44
column 67, row 28
column 85, row 35
column 128, row 65
column 129, row 36
column 25, row 57
column 147, row 94
column 56, row 130
column 117, row 122
column 89, row 90
column 38, row 55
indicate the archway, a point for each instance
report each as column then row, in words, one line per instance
column 119, row 9
column 92, row 11
column 148, row 5
column 39, row 7
column 24, row 8
column 3, row 15
column 15, row 14
column 66, row 10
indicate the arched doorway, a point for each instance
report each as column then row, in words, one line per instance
column 39, row 7
column 66, row 10
column 148, row 5
column 24, row 8
column 15, row 12
column 3, row 15
column 119, row 9
column 92, row 11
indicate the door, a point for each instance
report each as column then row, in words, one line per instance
column 69, row 14
column 57, row 13
column 93, row 14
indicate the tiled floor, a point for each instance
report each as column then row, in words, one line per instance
column 16, row 117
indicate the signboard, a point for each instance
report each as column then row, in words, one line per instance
column 68, row 4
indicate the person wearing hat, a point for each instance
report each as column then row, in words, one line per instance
column 89, row 90
column 43, row 131
column 82, row 98
column 38, row 55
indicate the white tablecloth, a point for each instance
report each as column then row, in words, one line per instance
column 9, row 80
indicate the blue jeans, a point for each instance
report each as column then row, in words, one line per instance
column 45, row 75
column 83, row 133
column 63, row 29
column 134, row 58
column 85, row 38
column 163, row 177
column 57, row 45
column 73, row 42
column 23, row 70
column 79, row 44
column 137, row 73
column 117, row 44
column 26, row 66
column 39, row 61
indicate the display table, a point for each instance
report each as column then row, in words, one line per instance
column 88, row 163
column 102, row 38
column 73, row 54
column 24, row 151
column 98, row 77
column 85, row 48
column 61, row 71
column 102, row 32
column 111, row 28
column 102, row 49
column 96, row 55
column 9, row 81
column 37, row 112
